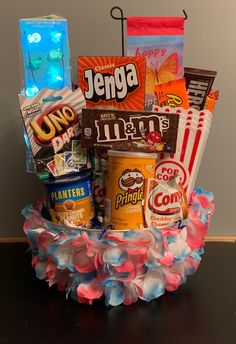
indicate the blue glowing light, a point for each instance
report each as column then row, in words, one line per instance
column 36, row 63
column 56, row 36
column 59, row 78
column 55, row 77
column 54, row 72
column 55, row 54
column 34, row 38
column 31, row 91
column 44, row 44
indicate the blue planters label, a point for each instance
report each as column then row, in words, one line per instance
column 75, row 192
column 70, row 203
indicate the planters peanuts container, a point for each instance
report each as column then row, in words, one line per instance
column 127, row 172
column 69, row 199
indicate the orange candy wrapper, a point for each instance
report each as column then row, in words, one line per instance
column 172, row 93
column 211, row 99
column 164, row 203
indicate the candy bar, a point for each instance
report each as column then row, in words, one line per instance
column 129, row 130
column 211, row 100
column 172, row 93
column 198, row 84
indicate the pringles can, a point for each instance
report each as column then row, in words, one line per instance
column 127, row 172
column 69, row 199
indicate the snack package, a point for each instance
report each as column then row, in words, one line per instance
column 99, row 192
column 160, row 40
column 69, row 200
column 99, row 168
column 112, row 81
column 211, row 99
column 198, row 84
column 129, row 130
column 52, row 121
column 172, row 93
column 164, row 202
column 127, row 172
column 193, row 131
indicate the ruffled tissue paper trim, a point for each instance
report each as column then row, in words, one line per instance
column 121, row 265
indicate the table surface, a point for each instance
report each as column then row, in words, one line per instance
column 201, row 311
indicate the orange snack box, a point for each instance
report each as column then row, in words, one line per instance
column 116, row 82
column 127, row 172
column 172, row 93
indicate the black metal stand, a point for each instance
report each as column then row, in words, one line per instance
column 122, row 19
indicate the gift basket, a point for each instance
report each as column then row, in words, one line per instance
column 118, row 156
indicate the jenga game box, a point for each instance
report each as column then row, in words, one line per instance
column 112, row 81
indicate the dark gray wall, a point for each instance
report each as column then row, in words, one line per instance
column 209, row 43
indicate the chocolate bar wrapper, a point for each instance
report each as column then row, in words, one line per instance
column 129, row 130
column 198, row 85
column 172, row 93
column 211, row 100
